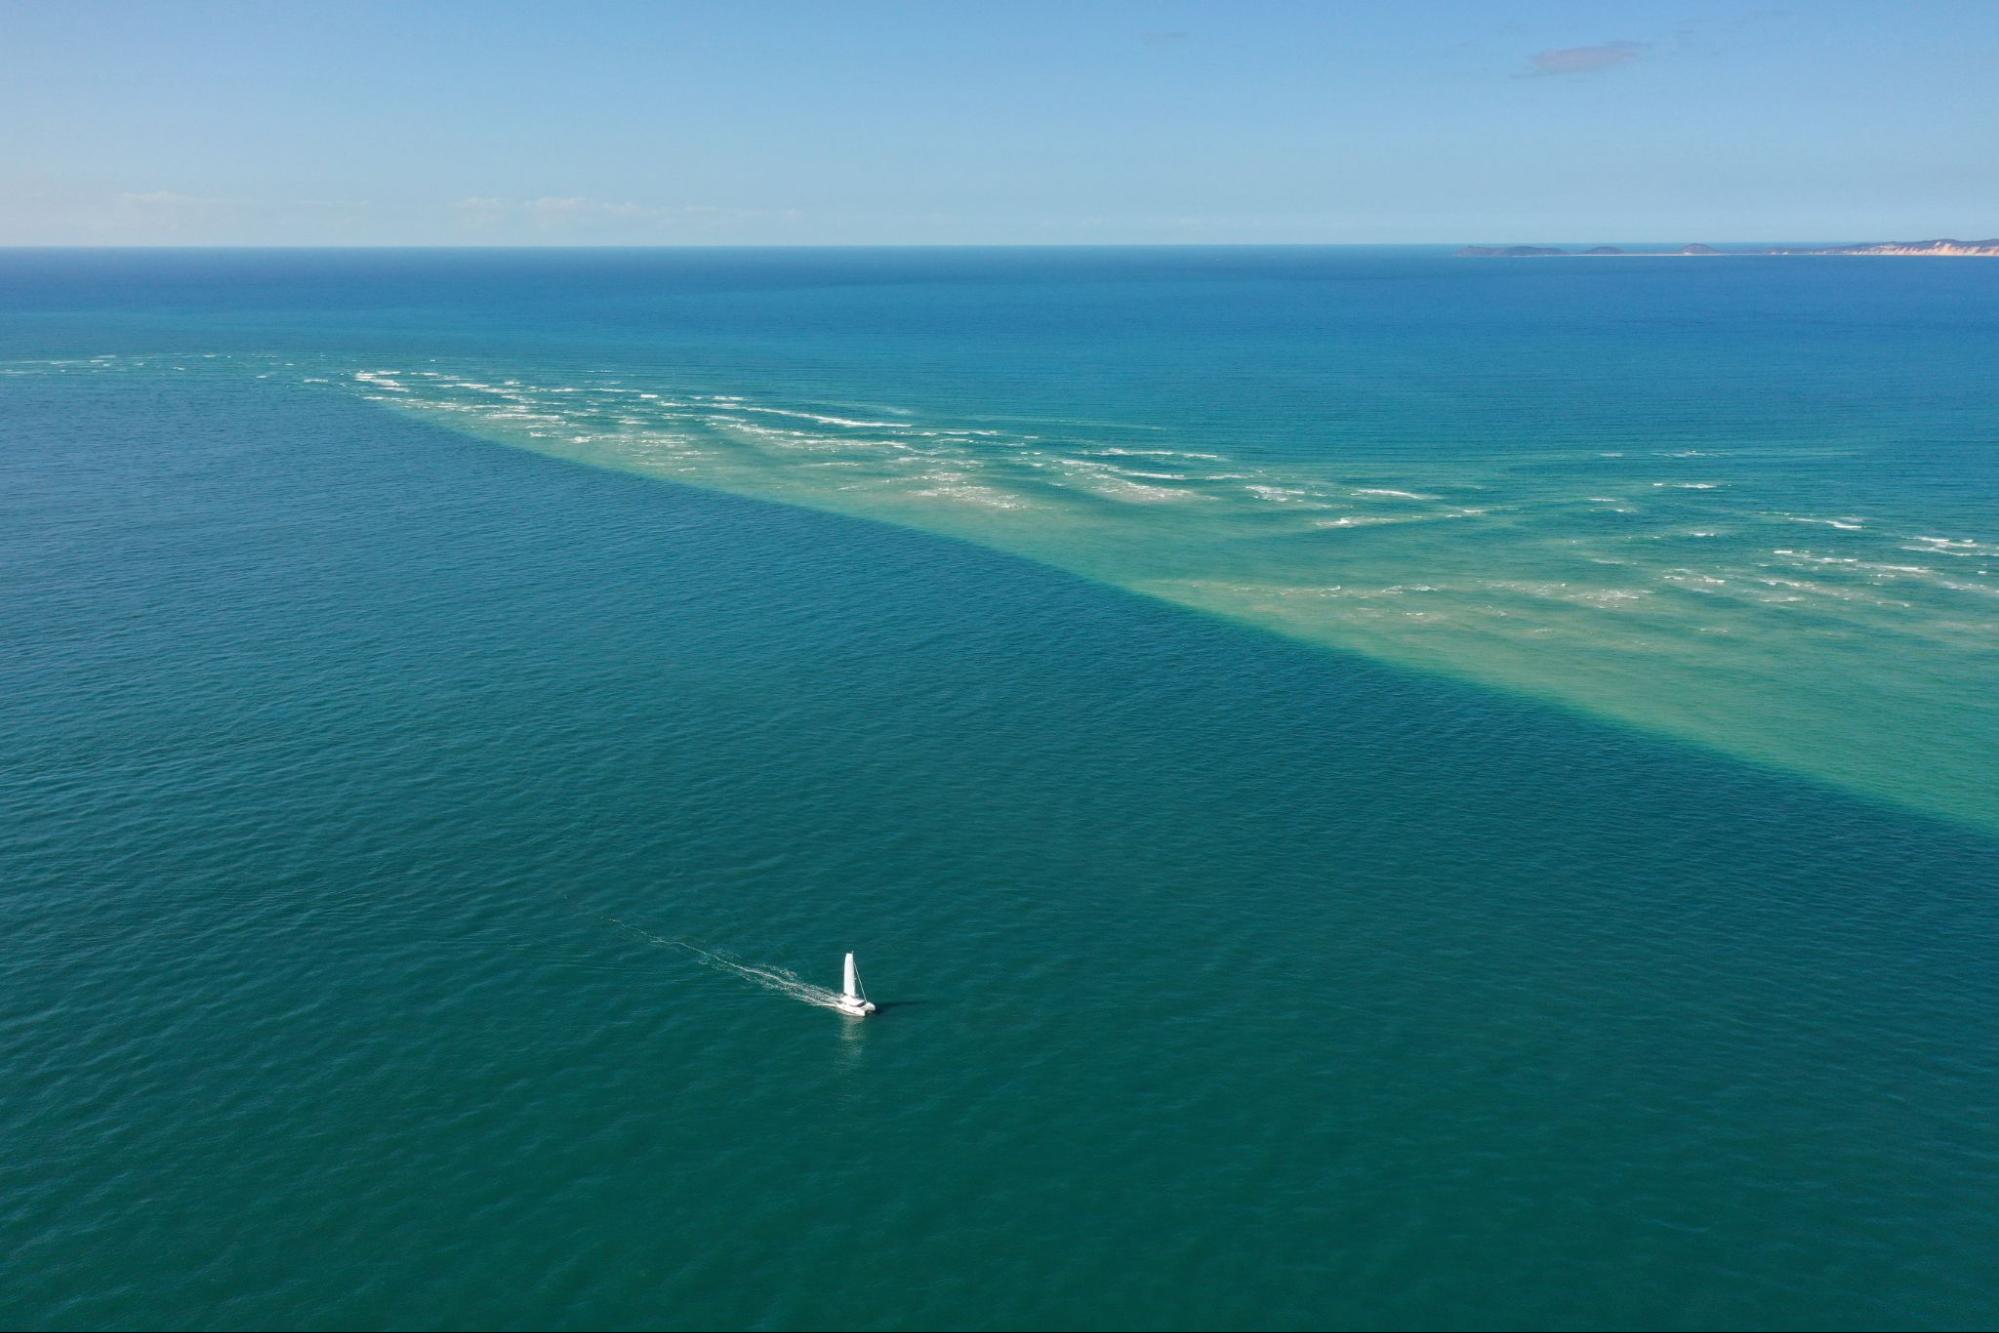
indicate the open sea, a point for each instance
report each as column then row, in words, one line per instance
column 1371, row 789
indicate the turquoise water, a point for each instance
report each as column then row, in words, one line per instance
column 1501, row 831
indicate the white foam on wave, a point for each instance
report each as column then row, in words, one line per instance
column 956, row 486
column 1563, row 591
column 1285, row 495
column 1358, row 521
column 822, row 418
column 1120, row 451
column 1135, row 492
column 1956, row 585
column 1693, row 578
column 1114, row 483
column 1851, row 562
column 1959, row 547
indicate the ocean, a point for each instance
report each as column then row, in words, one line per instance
column 1370, row 788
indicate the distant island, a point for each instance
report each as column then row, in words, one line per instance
column 1986, row 249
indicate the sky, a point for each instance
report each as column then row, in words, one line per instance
column 1017, row 122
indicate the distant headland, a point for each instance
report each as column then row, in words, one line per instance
column 1983, row 249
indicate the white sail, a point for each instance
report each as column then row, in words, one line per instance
column 851, row 984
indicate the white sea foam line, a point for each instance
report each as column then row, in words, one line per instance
column 1280, row 494
column 1091, row 473
column 968, row 492
column 522, row 401
column 1952, row 546
column 1362, row 521
column 823, row 419
column 1852, row 562
column 1134, row 492
column 1116, row 451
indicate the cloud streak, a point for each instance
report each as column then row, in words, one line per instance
column 1582, row 59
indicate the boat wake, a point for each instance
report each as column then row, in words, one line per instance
column 771, row 978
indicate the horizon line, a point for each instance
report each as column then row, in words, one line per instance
column 902, row 245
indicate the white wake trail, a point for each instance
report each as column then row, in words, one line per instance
column 779, row 979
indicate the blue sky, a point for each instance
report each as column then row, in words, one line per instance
column 851, row 121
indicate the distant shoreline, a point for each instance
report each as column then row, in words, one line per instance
column 1938, row 249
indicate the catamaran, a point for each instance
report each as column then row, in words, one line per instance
column 854, row 1000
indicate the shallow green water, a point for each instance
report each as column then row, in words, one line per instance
column 365, row 779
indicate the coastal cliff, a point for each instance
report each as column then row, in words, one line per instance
column 1943, row 247
column 1987, row 249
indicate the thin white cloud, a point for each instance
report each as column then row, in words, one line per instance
column 1582, row 59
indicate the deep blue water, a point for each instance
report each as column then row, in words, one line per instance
column 1240, row 965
